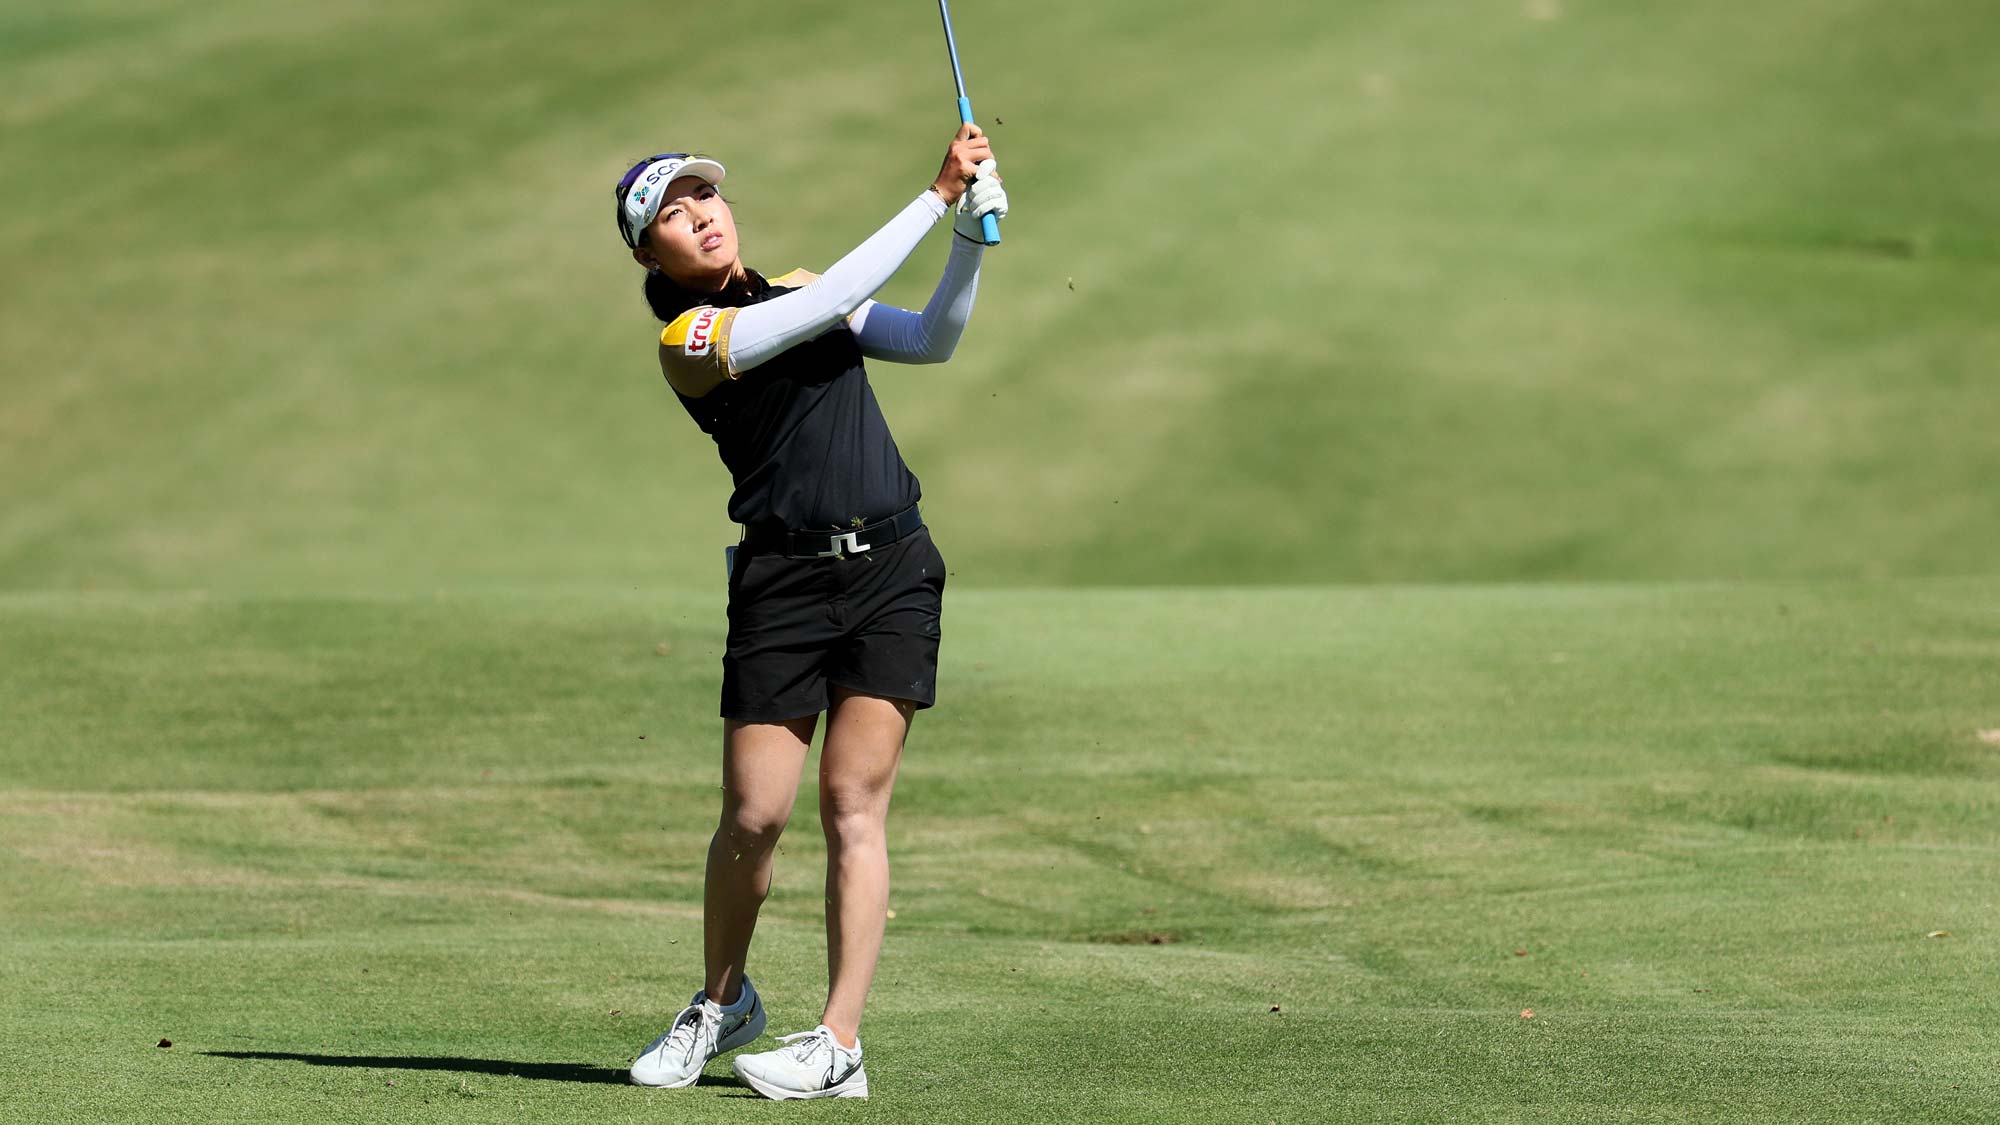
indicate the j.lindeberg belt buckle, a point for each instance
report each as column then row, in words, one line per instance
column 846, row 543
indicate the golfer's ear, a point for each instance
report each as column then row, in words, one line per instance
column 644, row 257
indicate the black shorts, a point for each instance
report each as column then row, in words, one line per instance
column 797, row 627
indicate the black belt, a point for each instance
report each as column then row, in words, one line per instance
column 827, row 544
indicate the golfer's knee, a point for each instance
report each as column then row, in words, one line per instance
column 855, row 815
column 750, row 829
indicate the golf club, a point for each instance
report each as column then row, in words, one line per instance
column 988, row 225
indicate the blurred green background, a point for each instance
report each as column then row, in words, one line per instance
column 328, row 297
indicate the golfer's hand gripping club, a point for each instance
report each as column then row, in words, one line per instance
column 984, row 201
column 989, row 225
column 962, row 164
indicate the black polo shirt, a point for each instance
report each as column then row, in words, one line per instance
column 801, row 434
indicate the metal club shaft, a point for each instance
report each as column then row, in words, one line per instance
column 951, row 44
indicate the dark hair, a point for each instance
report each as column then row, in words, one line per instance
column 665, row 297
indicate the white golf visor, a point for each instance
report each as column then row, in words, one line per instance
column 640, row 193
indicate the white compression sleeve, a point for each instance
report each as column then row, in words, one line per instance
column 764, row 330
column 902, row 336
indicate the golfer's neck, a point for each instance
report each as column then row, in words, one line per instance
column 736, row 277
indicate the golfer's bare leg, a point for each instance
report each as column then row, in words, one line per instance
column 857, row 769
column 761, row 763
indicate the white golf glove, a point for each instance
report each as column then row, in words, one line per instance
column 984, row 197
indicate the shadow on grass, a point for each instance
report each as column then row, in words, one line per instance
column 542, row 1071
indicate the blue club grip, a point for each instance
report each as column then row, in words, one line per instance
column 988, row 225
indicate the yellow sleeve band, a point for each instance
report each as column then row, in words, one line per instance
column 694, row 349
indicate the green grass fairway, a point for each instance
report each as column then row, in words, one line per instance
column 1735, row 846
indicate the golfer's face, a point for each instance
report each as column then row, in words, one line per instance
column 694, row 235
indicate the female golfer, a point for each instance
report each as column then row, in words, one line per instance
column 834, row 591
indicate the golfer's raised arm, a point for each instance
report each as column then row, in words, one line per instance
column 891, row 333
column 769, row 329
column 764, row 330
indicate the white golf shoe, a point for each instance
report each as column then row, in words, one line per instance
column 811, row 1064
column 703, row 1030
